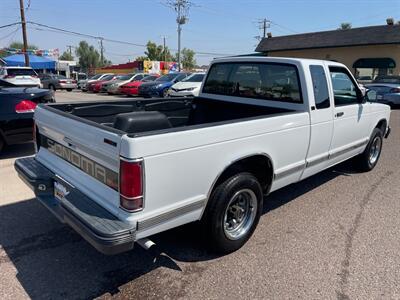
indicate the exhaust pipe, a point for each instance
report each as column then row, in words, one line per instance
column 145, row 243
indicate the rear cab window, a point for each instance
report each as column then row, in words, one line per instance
column 320, row 87
column 266, row 81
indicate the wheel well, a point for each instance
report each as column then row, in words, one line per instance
column 382, row 125
column 259, row 165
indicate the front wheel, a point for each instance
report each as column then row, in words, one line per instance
column 165, row 93
column 367, row 160
column 233, row 212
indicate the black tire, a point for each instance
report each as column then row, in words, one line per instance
column 52, row 87
column 69, row 90
column 222, row 197
column 367, row 160
column 165, row 93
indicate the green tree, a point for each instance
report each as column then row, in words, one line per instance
column 66, row 56
column 156, row 52
column 345, row 26
column 16, row 45
column 88, row 56
column 187, row 58
column 141, row 58
column 19, row 45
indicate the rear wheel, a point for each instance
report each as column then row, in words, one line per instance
column 233, row 212
column 367, row 160
column 52, row 87
column 69, row 90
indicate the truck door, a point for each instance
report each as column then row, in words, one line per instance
column 351, row 124
column 321, row 121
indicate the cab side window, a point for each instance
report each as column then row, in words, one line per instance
column 320, row 87
column 344, row 89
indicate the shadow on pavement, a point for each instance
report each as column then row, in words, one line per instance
column 15, row 151
column 53, row 262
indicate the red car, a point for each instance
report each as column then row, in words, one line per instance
column 95, row 86
column 132, row 88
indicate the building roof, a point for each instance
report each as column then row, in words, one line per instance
column 372, row 35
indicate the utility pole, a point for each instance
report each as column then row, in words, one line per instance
column 101, row 51
column 69, row 49
column 181, row 8
column 165, row 52
column 264, row 25
column 24, row 37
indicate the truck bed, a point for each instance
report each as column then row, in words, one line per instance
column 144, row 117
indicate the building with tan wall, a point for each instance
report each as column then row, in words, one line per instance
column 366, row 51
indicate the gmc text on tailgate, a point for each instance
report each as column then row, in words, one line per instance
column 119, row 172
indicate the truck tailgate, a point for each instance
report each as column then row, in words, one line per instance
column 85, row 156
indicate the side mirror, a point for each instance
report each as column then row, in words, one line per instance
column 371, row 96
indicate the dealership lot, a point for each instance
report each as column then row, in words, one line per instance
column 334, row 235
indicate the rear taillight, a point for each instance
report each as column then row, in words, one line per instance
column 131, row 185
column 395, row 90
column 73, row 81
column 9, row 76
column 63, row 81
column 25, row 106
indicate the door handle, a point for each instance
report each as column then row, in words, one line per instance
column 339, row 114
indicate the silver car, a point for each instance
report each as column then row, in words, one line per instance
column 113, row 87
column 388, row 93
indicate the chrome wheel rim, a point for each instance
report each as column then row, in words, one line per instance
column 375, row 150
column 240, row 214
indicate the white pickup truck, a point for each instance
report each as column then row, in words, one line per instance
column 119, row 172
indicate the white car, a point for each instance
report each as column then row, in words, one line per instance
column 20, row 76
column 188, row 87
column 120, row 172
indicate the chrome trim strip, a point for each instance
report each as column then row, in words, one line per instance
column 350, row 148
column 169, row 215
column 289, row 172
column 312, row 163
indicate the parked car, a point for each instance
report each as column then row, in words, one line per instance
column 120, row 172
column 188, row 87
column 57, row 82
column 387, row 79
column 84, row 83
column 160, row 86
column 364, row 79
column 113, row 88
column 95, row 86
column 16, row 112
column 132, row 88
column 20, row 76
column 387, row 93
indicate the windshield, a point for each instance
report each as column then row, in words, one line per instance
column 149, row 78
column 21, row 72
column 125, row 77
column 194, row 78
column 95, row 77
column 168, row 77
column 108, row 77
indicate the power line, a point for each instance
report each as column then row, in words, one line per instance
column 9, row 25
column 70, row 32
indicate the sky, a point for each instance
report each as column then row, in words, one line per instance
column 216, row 28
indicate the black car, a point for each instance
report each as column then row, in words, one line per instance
column 17, row 105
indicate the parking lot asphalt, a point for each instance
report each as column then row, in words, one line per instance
column 332, row 236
